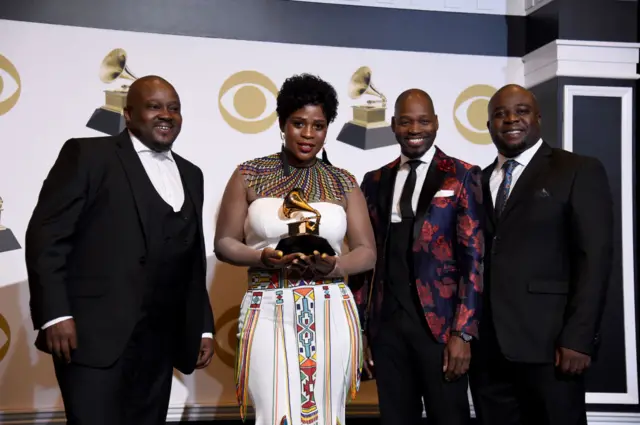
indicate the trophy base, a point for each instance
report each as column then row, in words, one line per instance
column 8, row 241
column 366, row 138
column 106, row 121
column 305, row 244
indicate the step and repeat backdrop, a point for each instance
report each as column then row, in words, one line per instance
column 57, row 81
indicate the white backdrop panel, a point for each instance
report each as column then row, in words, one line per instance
column 58, row 78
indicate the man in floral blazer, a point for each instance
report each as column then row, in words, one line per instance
column 420, row 306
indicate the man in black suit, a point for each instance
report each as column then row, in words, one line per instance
column 116, row 264
column 548, row 260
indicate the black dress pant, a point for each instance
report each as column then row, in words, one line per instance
column 408, row 364
column 133, row 391
column 512, row 393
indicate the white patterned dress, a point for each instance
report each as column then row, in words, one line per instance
column 299, row 355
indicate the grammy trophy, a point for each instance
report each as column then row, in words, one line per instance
column 109, row 118
column 368, row 129
column 304, row 233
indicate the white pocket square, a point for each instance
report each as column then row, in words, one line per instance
column 441, row 193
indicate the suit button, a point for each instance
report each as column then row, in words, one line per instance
column 142, row 259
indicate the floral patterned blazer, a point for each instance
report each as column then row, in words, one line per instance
column 448, row 246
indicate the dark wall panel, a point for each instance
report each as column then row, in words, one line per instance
column 594, row 20
column 602, row 141
column 601, row 20
column 549, row 101
column 543, row 26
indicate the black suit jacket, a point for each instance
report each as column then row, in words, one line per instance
column 86, row 248
column 549, row 257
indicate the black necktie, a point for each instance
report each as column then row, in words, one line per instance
column 505, row 186
column 406, row 210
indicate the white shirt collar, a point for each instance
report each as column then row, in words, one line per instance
column 426, row 157
column 141, row 147
column 523, row 159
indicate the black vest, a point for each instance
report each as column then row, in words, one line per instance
column 173, row 245
column 400, row 286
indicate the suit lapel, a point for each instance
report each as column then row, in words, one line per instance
column 190, row 186
column 191, row 192
column 385, row 191
column 433, row 182
column 187, row 181
column 136, row 174
column 527, row 179
column 487, row 199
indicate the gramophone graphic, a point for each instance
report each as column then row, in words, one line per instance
column 8, row 241
column 109, row 118
column 304, row 233
column 368, row 129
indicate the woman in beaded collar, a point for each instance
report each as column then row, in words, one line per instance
column 299, row 354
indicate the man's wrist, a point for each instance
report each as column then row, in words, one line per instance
column 55, row 321
column 462, row 335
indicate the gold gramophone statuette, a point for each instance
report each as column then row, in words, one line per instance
column 295, row 202
column 304, row 233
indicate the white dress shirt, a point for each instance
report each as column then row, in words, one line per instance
column 401, row 178
column 163, row 173
column 165, row 177
column 522, row 161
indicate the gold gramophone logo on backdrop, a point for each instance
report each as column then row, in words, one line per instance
column 5, row 337
column 470, row 113
column 7, row 104
column 8, row 241
column 109, row 118
column 249, row 110
column 368, row 129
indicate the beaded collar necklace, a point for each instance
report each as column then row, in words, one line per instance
column 319, row 182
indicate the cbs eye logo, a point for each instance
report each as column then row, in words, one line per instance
column 8, row 85
column 247, row 102
column 470, row 113
column 227, row 324
column 5, row 337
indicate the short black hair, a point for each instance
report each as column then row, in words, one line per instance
column 301, row 90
